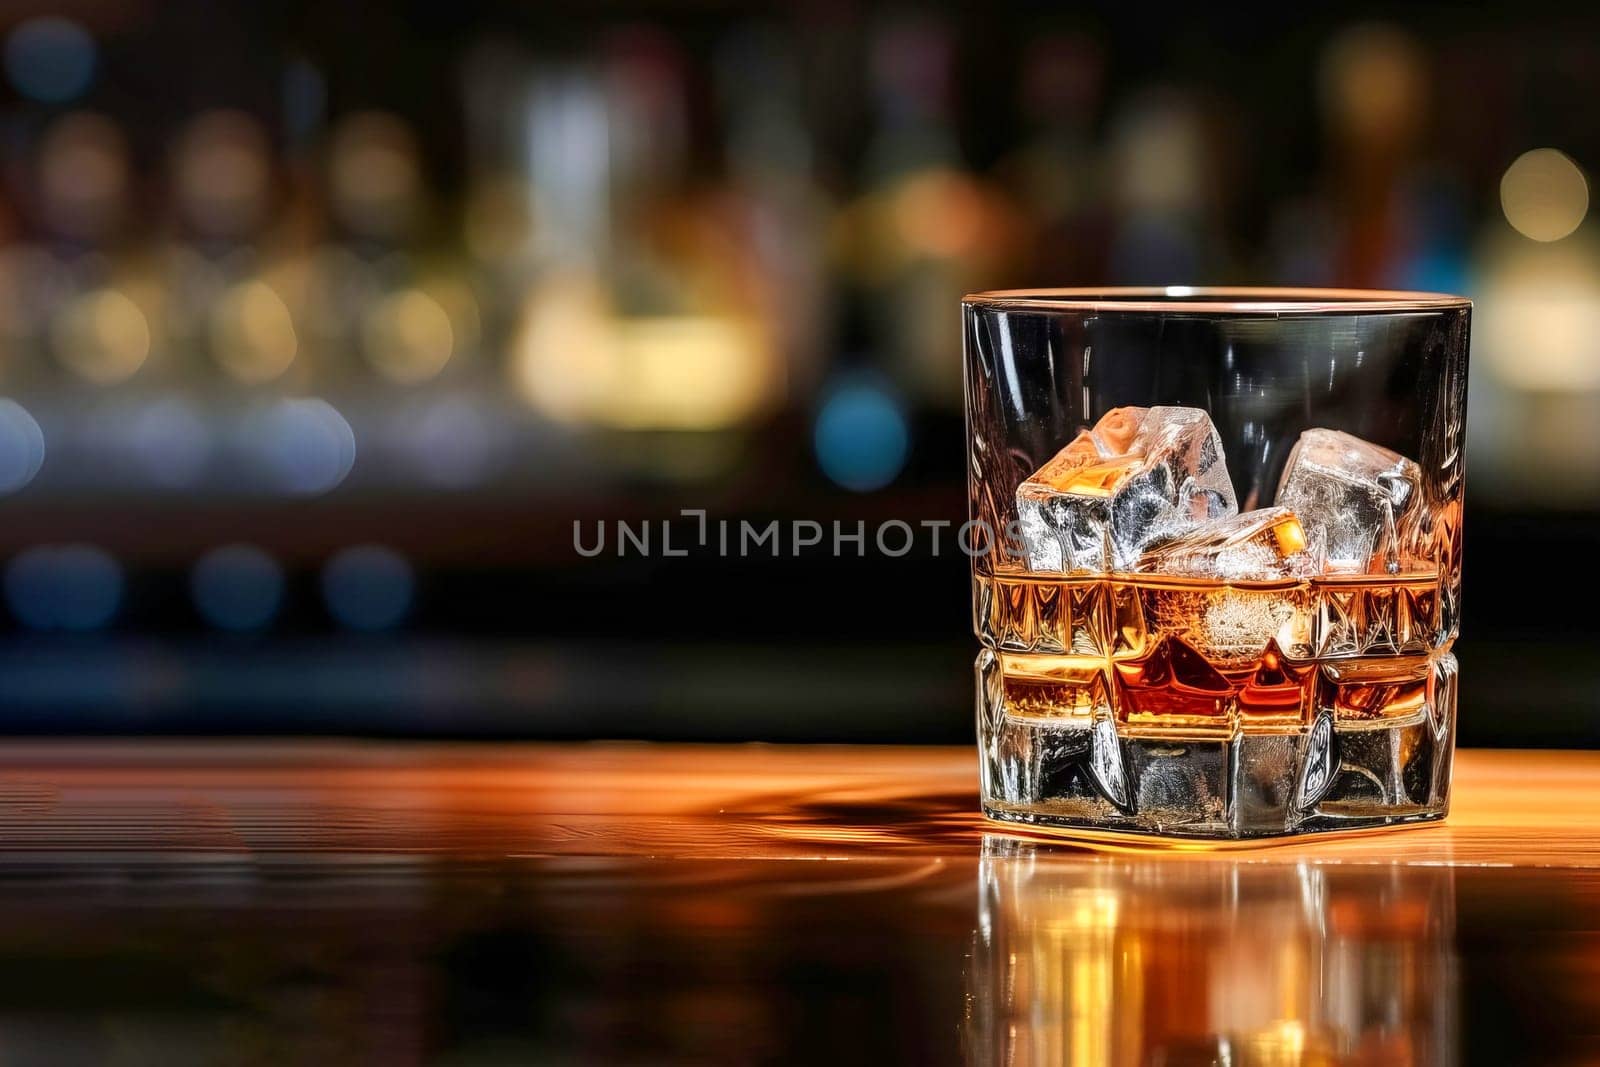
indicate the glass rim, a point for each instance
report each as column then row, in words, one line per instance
column 1201, row 299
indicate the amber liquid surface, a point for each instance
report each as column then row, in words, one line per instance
column 1186, row 657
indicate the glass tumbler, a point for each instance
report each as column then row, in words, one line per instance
column 1216, row 541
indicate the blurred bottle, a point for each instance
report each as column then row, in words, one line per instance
column 1056, row 172
column 223, row 317
column 1374, row 102
column 776, row 208
column 76, row 304
column 1166, row 197
column 924, row 229
column 649, row 312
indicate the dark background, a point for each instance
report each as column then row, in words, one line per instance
column 321, row 326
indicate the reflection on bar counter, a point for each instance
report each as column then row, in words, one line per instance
column 1172, row 960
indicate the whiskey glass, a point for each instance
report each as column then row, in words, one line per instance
column 1216, row 553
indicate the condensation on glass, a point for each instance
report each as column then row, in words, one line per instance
column 1219, row 556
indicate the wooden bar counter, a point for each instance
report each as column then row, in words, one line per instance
column 606, row 903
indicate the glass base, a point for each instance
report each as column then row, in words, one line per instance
column 1326, row 776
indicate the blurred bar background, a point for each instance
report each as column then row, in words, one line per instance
column 321, row 326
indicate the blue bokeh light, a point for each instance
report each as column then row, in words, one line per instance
column 237, row 587
column 21, row 446
column 49, row 59
column 861, row 436
column 76, row 588
column 305, row 446
column 368, row 587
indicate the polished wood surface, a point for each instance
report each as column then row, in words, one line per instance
column 636, row 903
column 1531, row 809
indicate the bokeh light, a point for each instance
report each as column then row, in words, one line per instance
column 102, row 336
column 1374, row 84
column 50, row 59
column 237, row 587
column 407, row 337
column 375, row 176
column 451, row 443
column 83, row 176
column 368, row 587
column 252, row 333
column 221, row 173
column 575, row 360
column 1544, row 195
column 861, row 436
column 21, row 446
column 1538, row 320
column 171, row 443
column 304, row 446
column 497, row 224
column 73, row 587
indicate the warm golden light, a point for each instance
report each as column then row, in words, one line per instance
column 1539, row 330
column 1544, row 195
column 1155, row 960
column 577, row 362
column 1374, row 83
column 940, row 213
column 252, row 333
column 564, row 361
column 408, row 337
column 688, row 373
column 101, row 336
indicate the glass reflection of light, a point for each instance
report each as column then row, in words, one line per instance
column 368, row 587
column 1123, row 960
column 50, row 59
column 237, row 587
column 71, row 587
column 21, row 446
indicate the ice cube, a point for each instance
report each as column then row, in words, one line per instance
column 1139, row 477
column 1353, row 499
column 1260, row 545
